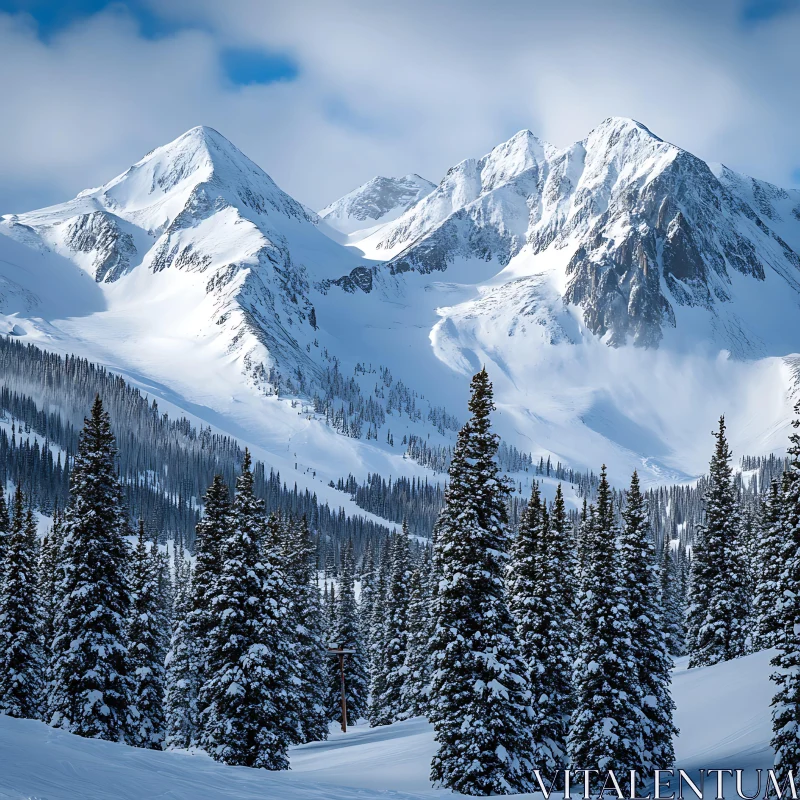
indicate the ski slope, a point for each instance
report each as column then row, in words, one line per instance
column 723, row 713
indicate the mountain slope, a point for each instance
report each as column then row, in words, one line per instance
column 378, row 201
column 622, row 292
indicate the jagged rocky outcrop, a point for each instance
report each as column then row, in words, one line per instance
column 648, row 226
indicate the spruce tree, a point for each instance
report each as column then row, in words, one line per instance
column 146, row 646
column 21, row 657
column 307, row 617
column 770, row 568
column 243, row 685
column 643, row 583
column 5, row 527
column 673, row 597
column 606, row 727
column 540, row 568
column 280, row 622
column 717, row 614
column 345, row 632
column 395, row 634
column 417, row 661
column 481, row 701
column 48, row 579
column 377, row 638
column 91, row 688
column 180, row 696
column 786, row 702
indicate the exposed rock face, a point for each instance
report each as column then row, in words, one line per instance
column 100, row 234
column 650, row 226
column 379, row 200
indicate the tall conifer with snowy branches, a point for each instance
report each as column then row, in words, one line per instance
column 299, row 554
column 770, row 568
column 146, row 645
column 389, row 704
column 22, row 666
column 91, row 690
column 239, row 699
column 606, row 726
column 717, row 613
column 180, row 694
column 416, row 688
column 673, row 598
column 642, row 579
column 786, row 702
column 481, row 701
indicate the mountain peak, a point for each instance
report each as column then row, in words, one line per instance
column 376, row 202
column 621, row 127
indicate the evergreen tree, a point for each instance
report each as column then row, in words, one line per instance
column 395, row 633
column 417, row 661
column 643, row 583
column 146, row 646
column 91, row 689
column 770, row 567
column 539, row 569
column 5, row 528
column 180, row 698
column 282, row 627
column 606, row 726
column 377, row 638
column 212, row 530
column 717, row 614
column 307, row 616
column 786, row 702
column 345, row 633
column 48, row 579
column 21, row 656
column 481, row 701
column 673, row 597
column 243, row 684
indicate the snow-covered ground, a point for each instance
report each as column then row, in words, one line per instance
column 723, row 713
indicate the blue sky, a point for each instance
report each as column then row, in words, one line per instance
column 325, row 95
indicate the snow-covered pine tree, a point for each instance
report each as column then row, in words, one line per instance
column 367, row 599
column 48, row 579
column 5, row 527
column 180, row 697
column 282, row 629
column 389, row 705
column 22, row 664
column 540, row 567
column 299, row 556
column 212, row 529
column 786, row 702
column 673, row 599
column 146, row 647
column 770, row 567
column 606, row 727
column 91, row 688
column 417, row 661
column 377, row 636
column 717, row 613
column 240, row 697
column 481, row 700
column 643, row 583
column 345, row 633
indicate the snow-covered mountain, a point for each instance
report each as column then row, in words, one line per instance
column 378, row 201
column 203, row 221
column 622, row 292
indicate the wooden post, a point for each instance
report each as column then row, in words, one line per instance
column 338, row 650
column 344, row 694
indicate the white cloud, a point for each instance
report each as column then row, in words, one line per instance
column 392, row 88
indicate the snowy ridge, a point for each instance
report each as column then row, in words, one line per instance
column 571, row 273
column 378, row 201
